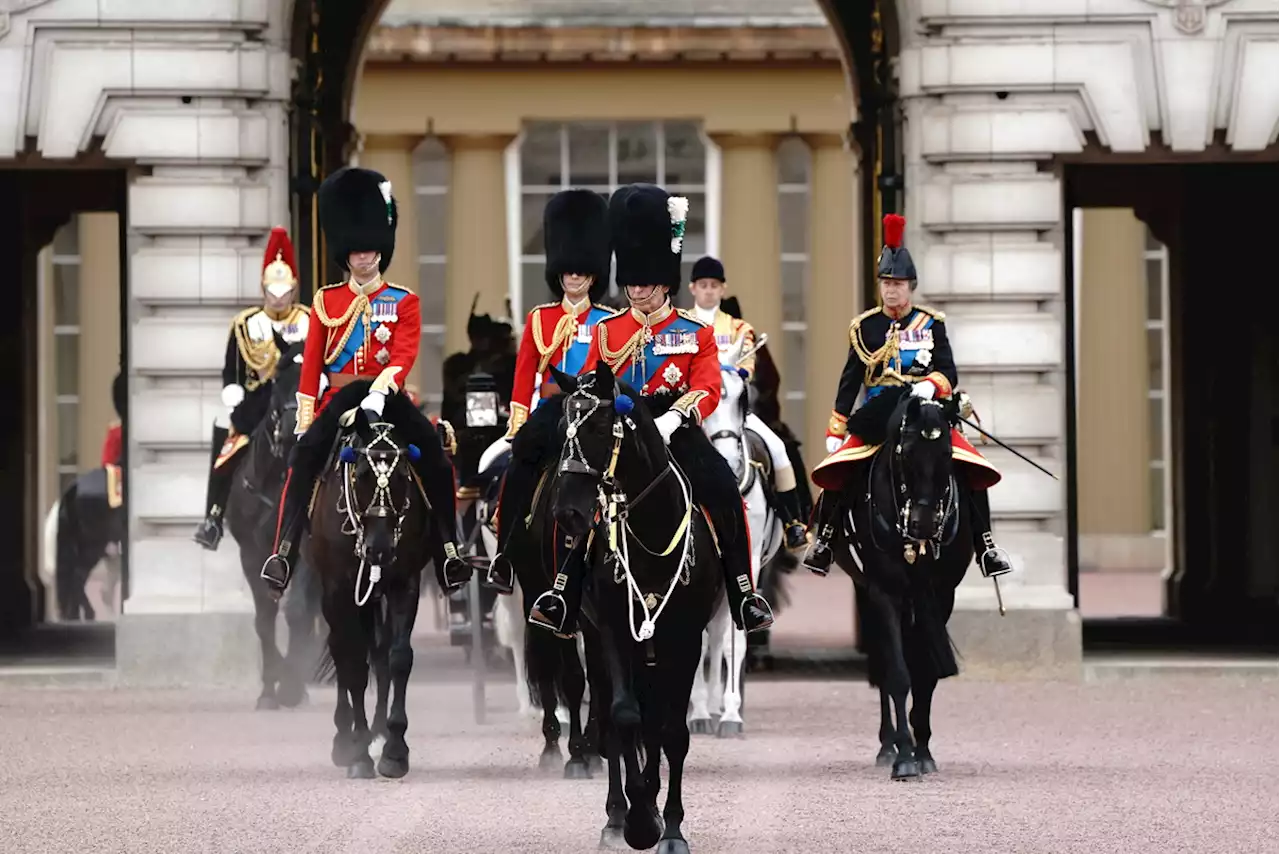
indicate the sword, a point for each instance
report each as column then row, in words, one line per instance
column 760, row 342
column 1017, row 454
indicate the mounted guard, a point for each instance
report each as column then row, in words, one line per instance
column 898, row 344
column 707, row 284
column 367, row 331
column 670, row 358
column 556, row 334
column 253, row 349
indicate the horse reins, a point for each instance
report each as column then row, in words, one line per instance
column 380, row 504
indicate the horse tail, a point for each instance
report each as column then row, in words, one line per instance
column 546, row 658
column 931, row 638
column 773, row 580
column 326, row 672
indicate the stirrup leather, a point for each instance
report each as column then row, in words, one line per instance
column 994, row 553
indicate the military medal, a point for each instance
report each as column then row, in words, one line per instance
column 382, row 356
column 383, row 334
column 671, row 375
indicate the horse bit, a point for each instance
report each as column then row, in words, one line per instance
column 612, row 502
column 383, row 465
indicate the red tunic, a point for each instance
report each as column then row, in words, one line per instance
column 553, row 335
column 669, row 352
column 370, row 331
column 113, row 445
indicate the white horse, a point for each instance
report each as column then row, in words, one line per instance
column 722, row 642
column 48, row 567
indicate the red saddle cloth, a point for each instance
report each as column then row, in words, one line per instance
column 832, row 472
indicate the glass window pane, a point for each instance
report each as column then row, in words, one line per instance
column 794, row 274
column 431, row 163
column 1155, row 422
column 637, row 152
column 793, row 161
column 433, row 223
column 540, row 154
column 431, row 292
column 685, row 155
column 68, row 434
column 66, row 357
column 430, row 366
column 66, row 240
column 533, row 287
column 1157, row 498
column 1155, row 359
column 65, row 480
column 589, row 154
column 793, row 221
column 66, row 294
column 532, row 206
column 1155, row 287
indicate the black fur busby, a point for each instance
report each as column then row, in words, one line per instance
column 895, row 260
column 575, row 233
column 646, row 225
column 358, row 214
column 707, row 267
column 120, row 394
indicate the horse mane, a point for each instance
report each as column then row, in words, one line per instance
column 872, row 421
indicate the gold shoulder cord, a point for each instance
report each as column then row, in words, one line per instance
column 887, row 356
column 615, row 358
column 560, row 336
column 260, row 357
column 359, row 304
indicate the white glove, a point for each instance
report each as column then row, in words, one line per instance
column 491, row 453
column 924, row 390
column 373, row 403
column 232, row 395
column 668, row 423
column 833, row 444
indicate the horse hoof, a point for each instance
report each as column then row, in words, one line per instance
column 291, row 694
column 673, row 846
column 887, row 756
column 361, row 769
column 344, row 751
column 928, row 766
column 906, row 769
column 392, row 768
column 550, row 759
column 577, row 769
column 267, row 703
column 642, row 828
column 595, row 764
column 700, row 726
column 611, row 839
column 729, row 729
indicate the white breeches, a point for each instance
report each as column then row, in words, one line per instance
column 784, row 476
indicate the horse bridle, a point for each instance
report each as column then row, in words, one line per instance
column 384, row 464
column 746, row 477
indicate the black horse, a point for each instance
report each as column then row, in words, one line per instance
column 907, row 520
column 646, row 603
column 368, row 544
column 252, row 509
column 86, row 525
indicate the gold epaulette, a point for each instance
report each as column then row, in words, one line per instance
column 398, row 287
column 932, row 312
column 689, row 315
column 260, row 357
column 613, row 312
column 857, row 321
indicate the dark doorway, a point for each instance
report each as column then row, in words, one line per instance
column 37, row 202
column 1219, row 223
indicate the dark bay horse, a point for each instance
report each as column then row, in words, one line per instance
column 905, row 541
column 252, row 509
column 654, row 579
column 368, row 545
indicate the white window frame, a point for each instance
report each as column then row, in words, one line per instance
column 1163, row 394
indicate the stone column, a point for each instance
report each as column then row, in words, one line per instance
column 833, row 296
column 750, row 239
column 393, row 157
column 477, row 243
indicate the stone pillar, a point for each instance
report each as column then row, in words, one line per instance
column 99, row 329
column 477, row 243
column 750, row 239
column 393, row 157
column 833, row 296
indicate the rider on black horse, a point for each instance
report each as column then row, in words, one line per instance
column 670, row 358
column 363, row 329
column 249, row 365
column 893, row 345
column 575, row 232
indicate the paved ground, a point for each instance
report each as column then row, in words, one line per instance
column 1154, row 764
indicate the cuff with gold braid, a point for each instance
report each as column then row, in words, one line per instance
column 838, row 425
column 687, row 406
column 306, row 412
column 519, row 415
column 941, row 382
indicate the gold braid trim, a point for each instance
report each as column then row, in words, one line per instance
column 886, row 357
column 615, row 358
column 259, row 357
column 687, row 405
column 838, row 425
column 306, row 411
column 560, row 337
column 359, row 304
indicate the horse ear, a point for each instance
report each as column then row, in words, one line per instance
column 567, row 382
column 362, row 427
column 604, row 377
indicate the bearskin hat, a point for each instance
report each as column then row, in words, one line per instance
column 646, row 224
column 895, row 260
column 575, row 233
column 358, row 214
column 707, row 267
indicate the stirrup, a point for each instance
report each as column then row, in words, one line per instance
column 500, row 576
column 762, row 604
column 209, row 533
column 1000, row 562
column 542, row 614
column 277, row 580
column 818, row 557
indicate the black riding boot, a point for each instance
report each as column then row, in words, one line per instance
column 514, row 503
column 749, row 610
column 293, row 521
column 789, row 506
column 557, row 609
column 436, row 474
column 819, row 556
column 209, row 532
column 992, row 560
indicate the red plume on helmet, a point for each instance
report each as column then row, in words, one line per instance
column 894, row 226
column 279, row 247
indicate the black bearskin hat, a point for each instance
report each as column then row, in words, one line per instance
column 575, row 233
column 646, row 225
column 895, row 260
column 120, row 394
column 707, row 267
column 358, row 214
